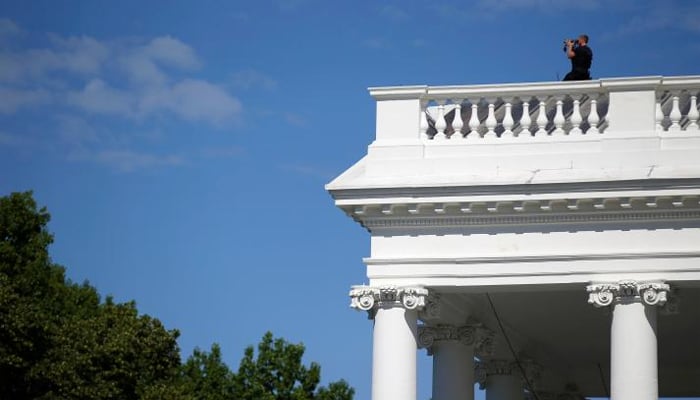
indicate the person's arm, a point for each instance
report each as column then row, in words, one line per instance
column 570, row 49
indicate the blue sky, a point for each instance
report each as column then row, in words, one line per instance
column 182, row 149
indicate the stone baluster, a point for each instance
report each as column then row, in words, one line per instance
column 659, row 116
column 440, row 123
column 693, row 114
column 559, row 119
column 423, row 127
column 508, row 121
column 491, row 121
column 474, row 121
column 525, row 120
column 541, row 121
column 593, row 118
column 675, row 114
column 457, row 123
column 576, row 119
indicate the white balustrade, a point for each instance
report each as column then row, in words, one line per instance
column 576, row 119
column 677, row 111
column 559, row 119
column 457, row 123
column 675, row 115
column 508, row 121
column 474, row 121
column 554, row 116
column 693, row 114
column 440, row 122
column 593, row 118
column 525, row 120
column 536, row 111
column 541, row 121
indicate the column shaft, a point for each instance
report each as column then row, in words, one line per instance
column 394, row 354
column 634, row 365
column 504, row 387
column 453, row 371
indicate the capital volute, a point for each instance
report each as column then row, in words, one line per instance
column 428, row 336
column 485, row 368
column 649, row 293
column 368, row 298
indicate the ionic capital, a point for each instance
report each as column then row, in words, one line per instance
column 469, row 335
column 368, row 298
column 650, row 293
column 483, row 369
column 484, row 343
column 430, row 335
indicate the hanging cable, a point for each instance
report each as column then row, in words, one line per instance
column 512, row 350
column 602, row 381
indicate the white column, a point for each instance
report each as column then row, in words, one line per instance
column 501, row 379
column 633, row 345
column 452, row 348
column 394, row 310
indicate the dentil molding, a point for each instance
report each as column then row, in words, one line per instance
column 524, row 212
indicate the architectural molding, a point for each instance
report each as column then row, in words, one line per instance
column 485, row 368
column 432, row 309
column 484, row 344
column 430, row 335
column 650, row 293
column 594, row 210
column 368, row 298
column 475, row 335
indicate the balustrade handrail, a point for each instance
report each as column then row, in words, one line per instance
column 521, row 110
column 512, row 90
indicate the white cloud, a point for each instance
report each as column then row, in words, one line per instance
column 76, row 131
column 8, row 28
column 144, row 64
column 129, row 161
column 172, row 52
column 193, row 100
column 394, row 12
column 660, row 16
column 200, row 100
column 98, row 97
column 252, row 79
column 14, row 99
column 140, row 84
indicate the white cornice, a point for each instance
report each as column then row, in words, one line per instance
column 598, row 210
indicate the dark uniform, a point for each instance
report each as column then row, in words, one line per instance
column 580, row 64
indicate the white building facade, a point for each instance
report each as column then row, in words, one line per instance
column 540, row 239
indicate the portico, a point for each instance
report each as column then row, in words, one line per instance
column 540, row 239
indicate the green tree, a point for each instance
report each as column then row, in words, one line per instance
column 207, row 376
column 277, row 373
column 57, row 339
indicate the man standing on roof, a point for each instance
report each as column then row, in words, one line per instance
column 581, row 57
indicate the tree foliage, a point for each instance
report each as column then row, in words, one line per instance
column 59, row 340
column 278, row 373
